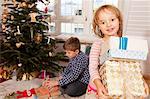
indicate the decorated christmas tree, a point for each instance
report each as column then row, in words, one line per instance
column 26, row 50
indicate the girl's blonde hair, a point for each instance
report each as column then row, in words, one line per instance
column 95, row 23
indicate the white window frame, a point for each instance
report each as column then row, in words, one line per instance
column 74, row 19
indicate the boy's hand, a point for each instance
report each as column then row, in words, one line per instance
column 60, row 77
column 48, row 83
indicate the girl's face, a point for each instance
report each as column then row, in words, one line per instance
column 108, row 23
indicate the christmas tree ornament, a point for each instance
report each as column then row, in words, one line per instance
column 29, row 76
column 18, row 45
column 14, row 2
column 3, row 74
column 43, row 74
column 12, row 17
column 23, row 4
column 33, row 16
column 46, row 9
column 3, row 27
column 31, row 5
column 46, row 6
column 5, row 40
column 49, row 39
column 50, row 54
column 24, row 77
column 18, row 31
column 48, row 19
column 20, row 64
column 38, row 38
column 8, row 37
column 4, row 16
column 4, row 20
column 5, row 10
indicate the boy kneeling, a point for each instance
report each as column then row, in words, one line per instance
column 75, row 78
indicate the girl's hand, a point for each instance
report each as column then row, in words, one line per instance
column 101, row 90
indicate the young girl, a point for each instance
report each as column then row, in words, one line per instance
column 107, row 22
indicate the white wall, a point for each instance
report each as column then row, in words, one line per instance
column 136, row 15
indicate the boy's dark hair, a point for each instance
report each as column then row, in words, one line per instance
column 72, row 44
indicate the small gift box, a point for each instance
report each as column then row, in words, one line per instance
column 45, row 93
column 42, row 93
column 27, row 94
column 125, row 48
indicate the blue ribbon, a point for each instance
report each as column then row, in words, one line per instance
column 123, row 41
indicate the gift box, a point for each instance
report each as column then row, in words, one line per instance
column 123, row 79
column 42, row 93
column 45, row 93
column 124, row 48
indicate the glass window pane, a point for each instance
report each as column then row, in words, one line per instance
column 51, row 27
column 98, row 3
column 71, row 7
column 71, row 28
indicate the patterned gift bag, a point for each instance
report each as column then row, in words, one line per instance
column 123, row 79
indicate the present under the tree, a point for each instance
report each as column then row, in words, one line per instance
column 124, row 48
column 123, row 79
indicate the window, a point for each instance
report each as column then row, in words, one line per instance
column 74, row 17
column 51, row 26
column 98, row 3
column 71, row 7
column 71, row 19
column 71, row 28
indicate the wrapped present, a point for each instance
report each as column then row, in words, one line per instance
column 45, row 93
column 25, row 93
column 124, row 48
column 123, row 78
column 42, row 93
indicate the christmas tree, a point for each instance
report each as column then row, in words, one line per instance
column 26, row 49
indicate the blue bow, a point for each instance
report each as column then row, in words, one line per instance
column 123, row 41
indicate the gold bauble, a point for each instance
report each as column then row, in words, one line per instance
column 24, row 4
column 12, row 17
column 38, row 38
column 18, row 45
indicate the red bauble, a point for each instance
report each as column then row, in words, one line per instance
column 46, row 10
